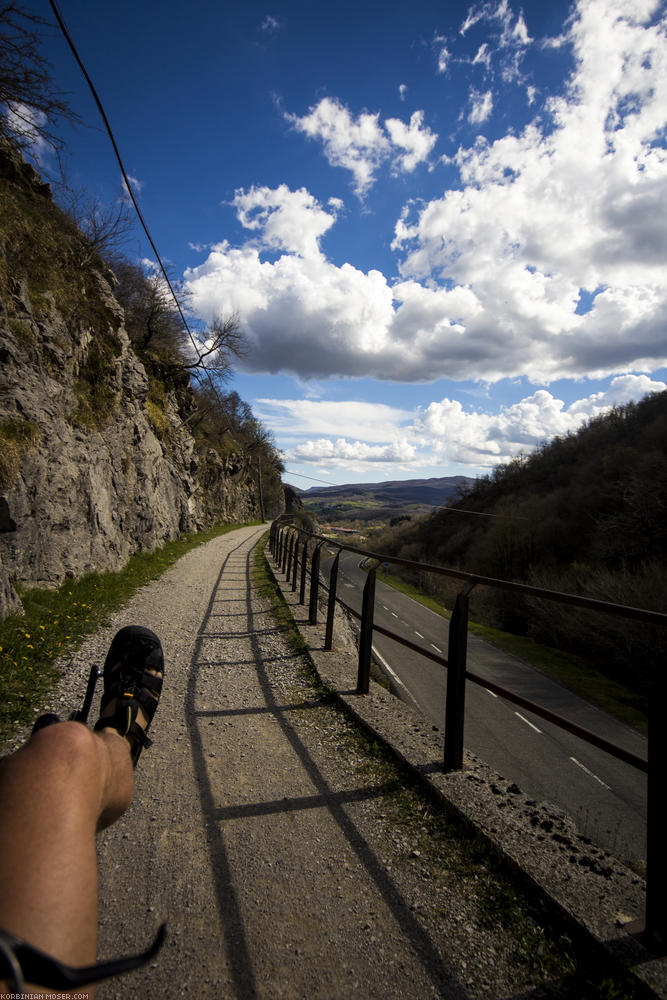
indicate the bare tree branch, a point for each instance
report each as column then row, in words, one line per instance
column 107, row 226
column 30, row 105
column 223, row 341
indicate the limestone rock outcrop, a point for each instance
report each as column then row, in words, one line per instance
column 91, row 470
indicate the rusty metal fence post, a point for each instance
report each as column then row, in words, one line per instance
column 331, row 607
column 457, row 654
column 366, row 633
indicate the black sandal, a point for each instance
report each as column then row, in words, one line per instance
column 134, row 652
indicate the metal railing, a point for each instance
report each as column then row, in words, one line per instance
column 289, row 547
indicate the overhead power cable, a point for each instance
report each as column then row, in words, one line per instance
column 325, row 482
column 68, row 38
column 481, row 513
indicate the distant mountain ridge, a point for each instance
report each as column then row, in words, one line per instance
column 434, row 492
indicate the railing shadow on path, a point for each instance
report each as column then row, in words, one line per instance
column 290, row 549
column 215, row 814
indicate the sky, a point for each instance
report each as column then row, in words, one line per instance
column 441, row 224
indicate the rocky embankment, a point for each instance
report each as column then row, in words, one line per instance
column 94, row 464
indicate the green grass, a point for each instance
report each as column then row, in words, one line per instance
column 262, row 579
column 572, row 672
column 56, row 622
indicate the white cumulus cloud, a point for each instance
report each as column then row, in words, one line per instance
column 344, row 452
column 287, row 220
column 569, row 207
column 483, row 440
column 414, row 140
column 361, row 144
column 547, row 259
column 358, row 434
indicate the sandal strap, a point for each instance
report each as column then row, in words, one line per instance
column 148, row 695
column 118, row 722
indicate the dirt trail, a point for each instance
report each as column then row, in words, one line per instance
column 260, row 832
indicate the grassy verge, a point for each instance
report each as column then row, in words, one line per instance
column 572, row 672
column 265, row 584
column 56, row 622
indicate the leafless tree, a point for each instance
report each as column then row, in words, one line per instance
column 106, row 225
column 30, row 104
column 151, row 318
column 154, row 324
column 222, row 341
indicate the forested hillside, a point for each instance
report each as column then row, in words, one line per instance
column 586, row 513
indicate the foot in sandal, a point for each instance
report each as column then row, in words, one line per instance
column 133, row 672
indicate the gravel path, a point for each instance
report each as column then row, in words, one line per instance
column 288, row 862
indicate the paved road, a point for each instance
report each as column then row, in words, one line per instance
column 605, row 797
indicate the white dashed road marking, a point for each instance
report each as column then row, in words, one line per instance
column 523, row 719
column 589, row 773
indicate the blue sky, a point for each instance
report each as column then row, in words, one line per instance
column 442, row 225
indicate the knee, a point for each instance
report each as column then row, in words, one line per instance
column 67, row 747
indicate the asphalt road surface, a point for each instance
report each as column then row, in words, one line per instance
column 605, row 797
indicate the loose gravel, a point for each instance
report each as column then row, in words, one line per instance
column 289, row 857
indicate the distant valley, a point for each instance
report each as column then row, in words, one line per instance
column 374, row 503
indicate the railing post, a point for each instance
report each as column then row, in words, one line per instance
column 296, row 560
column 314, row 584
column 331, row 607
column 656, row 826
column 288, row 536
column 281, row 538
column 304, row 570
column 366, row 633
column 456, row 681
column 290, row 550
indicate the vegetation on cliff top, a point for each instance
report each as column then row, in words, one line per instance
column 59, row 257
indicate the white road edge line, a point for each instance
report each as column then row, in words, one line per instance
column 523, row 719
column 436, row 648
column 392, row 673
column 590, row 773
column 419, row 634
column 492, row 693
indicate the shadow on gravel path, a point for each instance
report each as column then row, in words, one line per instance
column 302, row 790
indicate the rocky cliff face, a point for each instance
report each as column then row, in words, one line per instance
column 91, row 468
